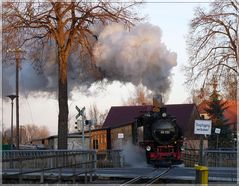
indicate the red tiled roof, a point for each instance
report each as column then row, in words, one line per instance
column 185, row 115
column 230, row 113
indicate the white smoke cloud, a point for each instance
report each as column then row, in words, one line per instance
column 137, row 55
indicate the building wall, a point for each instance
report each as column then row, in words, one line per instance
column 73, row 143
column 99, row 139
column 39, row 142
column 189, row 133
column 76, row 143
column 118, row 143
column 195, row 144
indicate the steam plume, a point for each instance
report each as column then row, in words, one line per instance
column 136, row 56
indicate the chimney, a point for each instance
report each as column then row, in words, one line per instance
column 157, row 103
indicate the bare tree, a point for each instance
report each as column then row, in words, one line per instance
column 213, row 43
column 5, row 133
column 141, row 96
column 94, row 113
column 97, row 116
column 229, row 86
column 27, row 133
column 35, row 132
column 68, row 25
column 102, row 118
column 199, row 95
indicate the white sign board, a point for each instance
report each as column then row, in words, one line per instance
column 217, row 130
column 120, row 135
column 203, row 127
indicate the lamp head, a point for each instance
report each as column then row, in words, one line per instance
column 12, row 97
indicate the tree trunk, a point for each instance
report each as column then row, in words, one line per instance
column 62, row 100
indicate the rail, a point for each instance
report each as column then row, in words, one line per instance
column 156, row 178
column 147, row 179
column 20, row 162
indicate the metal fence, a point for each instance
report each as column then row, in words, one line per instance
column 220, row 158
column 211, row 158
column 109, row 159
column 190, row 157
column 31, row 161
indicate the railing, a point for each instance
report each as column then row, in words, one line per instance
column 220, row 158
column 211, row 158
column 109, row 159
column 190, row 157
column 31, row 161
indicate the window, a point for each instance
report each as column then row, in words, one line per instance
column 95, row 144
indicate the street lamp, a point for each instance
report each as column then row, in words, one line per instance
column 12, row 97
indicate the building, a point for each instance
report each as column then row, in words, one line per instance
column 100, row 139
column 121, row 122
column 74, row 142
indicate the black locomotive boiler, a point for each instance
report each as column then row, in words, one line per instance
column 162, row 138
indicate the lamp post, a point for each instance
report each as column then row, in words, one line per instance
column 12, row 97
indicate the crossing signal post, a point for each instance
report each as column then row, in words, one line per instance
column 81, row 123
column 89, row 123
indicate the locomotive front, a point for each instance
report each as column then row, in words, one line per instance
column 162, row 137
column 164, row 130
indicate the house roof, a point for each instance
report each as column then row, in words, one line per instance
column 123, row 115
column 230, row 113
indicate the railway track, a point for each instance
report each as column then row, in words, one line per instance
column 157, row 177
column 145, row 178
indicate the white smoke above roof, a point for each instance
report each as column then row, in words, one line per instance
column 137, row 56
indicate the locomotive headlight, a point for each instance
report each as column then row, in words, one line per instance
column 164, row 115
column 148, row 148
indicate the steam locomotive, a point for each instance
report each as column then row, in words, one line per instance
column 162, row 138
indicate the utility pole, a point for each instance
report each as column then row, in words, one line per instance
column 17, row 52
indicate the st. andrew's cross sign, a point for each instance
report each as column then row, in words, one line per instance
column 80, row 112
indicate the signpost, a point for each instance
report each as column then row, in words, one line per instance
column 202, row 127
column 217, row 131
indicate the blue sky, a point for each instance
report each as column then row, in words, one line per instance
column 172, row 18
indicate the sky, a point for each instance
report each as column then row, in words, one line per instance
column 173, row 20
